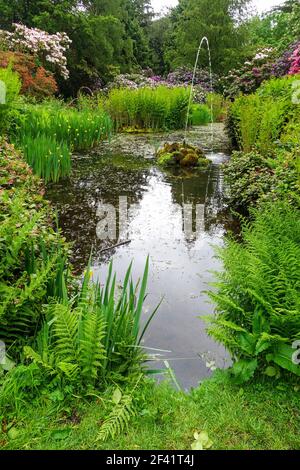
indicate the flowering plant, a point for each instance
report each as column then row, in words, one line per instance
column 295, row 61
column 180, row 78
column 184, row 76
column 49, row 48
column 263, row 66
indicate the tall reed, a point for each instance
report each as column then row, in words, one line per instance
column 81, row 130
column 148, row 108
column 48, row 158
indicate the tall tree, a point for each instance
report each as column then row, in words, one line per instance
column 218, row 20
column 277, row 28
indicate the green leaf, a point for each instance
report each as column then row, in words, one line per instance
column 262, row 345
column 13, row 433
column 117, row 396
column 271, row 371
column 282, row 356
column 243, row 370
column 247, row 342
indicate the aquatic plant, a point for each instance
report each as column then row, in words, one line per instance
column 80, row 129
column 49, row 158
column 160, row 108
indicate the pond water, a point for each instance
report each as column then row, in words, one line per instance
column 181, row 251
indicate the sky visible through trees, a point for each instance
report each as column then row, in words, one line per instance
column 261, row 5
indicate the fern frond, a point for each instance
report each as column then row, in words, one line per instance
column 65, row 329
column 118, row 419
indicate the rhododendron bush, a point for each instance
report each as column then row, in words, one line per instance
column 295, row 61
column 265, row 65
column 49, row 48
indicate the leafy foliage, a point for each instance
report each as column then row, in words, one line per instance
column 36, row 81
column 8, row 109
column 48, row 132
column 32, row 253
column 259, row 119
column 49, row 159
column 257, row 294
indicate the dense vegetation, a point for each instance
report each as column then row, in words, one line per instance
column 72, row 73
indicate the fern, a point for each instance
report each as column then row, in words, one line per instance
column 118, row 419
column 120, row 416
column 258, row 293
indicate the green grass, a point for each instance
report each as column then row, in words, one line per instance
column 260, row 416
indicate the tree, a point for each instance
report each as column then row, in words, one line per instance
column 277, row 28
column 108, row 36
column 159, row 33
column 220, row 21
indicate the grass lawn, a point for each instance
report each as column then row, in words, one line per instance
column 259, row 416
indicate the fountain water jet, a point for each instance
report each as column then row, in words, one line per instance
column 183, row 154
column 204, row 39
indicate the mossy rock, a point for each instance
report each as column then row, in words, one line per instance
column 182, row 155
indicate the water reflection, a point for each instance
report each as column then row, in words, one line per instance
column 180, row 264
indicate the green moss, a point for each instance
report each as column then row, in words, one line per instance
column 166, row 159
column 182, row 155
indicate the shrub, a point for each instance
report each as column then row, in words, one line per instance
column 200, row 115
column 31, row 252
column 146, row 108
column 12, row 89
column 252, row 179
column 257, row 296
column 48, row 48
column 248, row 177
column 36, row 81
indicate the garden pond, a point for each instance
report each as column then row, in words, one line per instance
column 182, row 256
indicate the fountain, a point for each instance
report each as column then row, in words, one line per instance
column 183, row 154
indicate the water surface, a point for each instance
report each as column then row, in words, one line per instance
column 180, row 262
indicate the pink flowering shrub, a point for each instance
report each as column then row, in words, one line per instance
column 49, row 48
column 295, row 61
